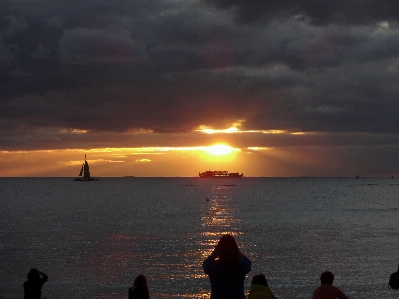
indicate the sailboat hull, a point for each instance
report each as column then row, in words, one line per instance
column 85, row 179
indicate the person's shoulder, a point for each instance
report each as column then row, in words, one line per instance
column 245, row 259
column 327, row 287
column 323, row 288
column 258, row 287
column 338, row 293
column 336, row 289
column 246, row 263
column 209, row 262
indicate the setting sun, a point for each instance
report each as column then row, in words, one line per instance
column 220, row 149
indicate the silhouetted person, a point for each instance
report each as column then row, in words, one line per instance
column 227, row 273
column 394, row 280
column 139, row 290
column 327, row 290
column 260, row 289
column 33, row 287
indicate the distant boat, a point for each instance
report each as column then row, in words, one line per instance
column 220, row 174
column 84, row 175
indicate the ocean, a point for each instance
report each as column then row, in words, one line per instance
column 93, row 238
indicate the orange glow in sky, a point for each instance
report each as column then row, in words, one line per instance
column 220, row 153
column 142, row 161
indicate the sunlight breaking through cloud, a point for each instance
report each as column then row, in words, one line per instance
column 232, row 130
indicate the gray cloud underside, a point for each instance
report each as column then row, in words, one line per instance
column 171, row 66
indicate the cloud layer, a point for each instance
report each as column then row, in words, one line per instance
column 111, row 68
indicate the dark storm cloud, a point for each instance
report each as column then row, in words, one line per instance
column 342, row 12
column 171, row 66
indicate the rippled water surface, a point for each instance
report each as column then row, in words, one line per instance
column 93, row 238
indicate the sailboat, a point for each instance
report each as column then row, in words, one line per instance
column 84, row 175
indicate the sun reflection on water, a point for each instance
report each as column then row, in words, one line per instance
column 219, row 218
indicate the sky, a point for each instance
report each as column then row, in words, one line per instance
column 176, row 87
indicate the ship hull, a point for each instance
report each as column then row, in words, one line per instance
column 220, row 174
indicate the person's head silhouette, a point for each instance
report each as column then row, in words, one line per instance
column 228, row 251
column 327, row 277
